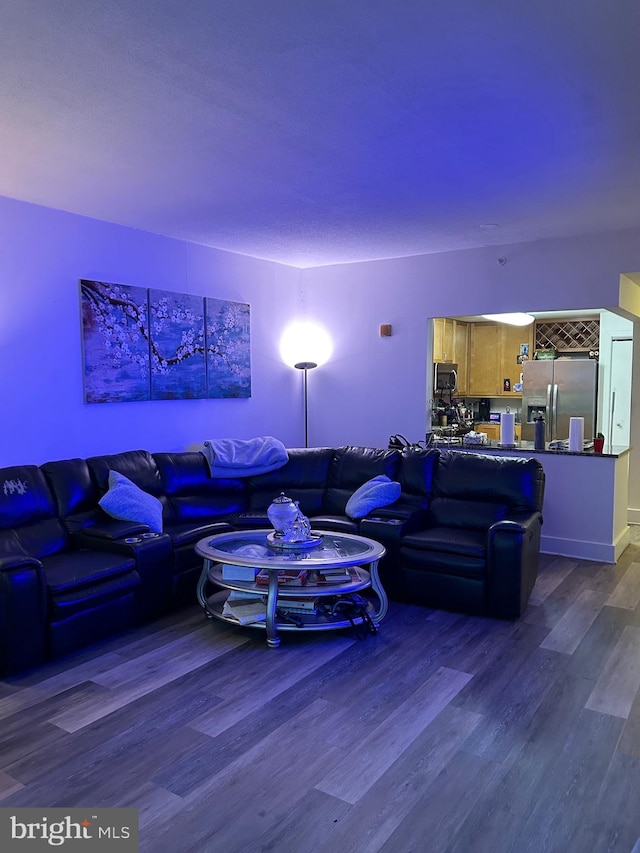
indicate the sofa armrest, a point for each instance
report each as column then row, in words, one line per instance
column 15, row 561
column 388, row 530
column 513, row 551
column 111, row 529
column 23, row 613
column 153, row 554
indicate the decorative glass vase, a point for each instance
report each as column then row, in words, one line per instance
column 282, row 513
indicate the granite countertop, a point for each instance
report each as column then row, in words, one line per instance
column 528, row 446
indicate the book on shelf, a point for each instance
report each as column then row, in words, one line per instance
column 298, row 605
column 245, row 612
column 288, row 577
column 333, row 576
column 243, row 596
column 238, row 573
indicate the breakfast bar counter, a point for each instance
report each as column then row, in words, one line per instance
column 586, row 498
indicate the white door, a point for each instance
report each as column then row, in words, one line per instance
column 618, row 420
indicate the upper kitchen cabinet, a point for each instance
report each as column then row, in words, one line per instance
column 484, row 365
column 493, row 358
column 443, row 339
column 512, row 339
column 451, row 344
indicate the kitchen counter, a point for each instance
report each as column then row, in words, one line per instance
column 585, row 500
column 614, row 451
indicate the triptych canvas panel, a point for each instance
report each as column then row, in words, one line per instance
column 146, row 344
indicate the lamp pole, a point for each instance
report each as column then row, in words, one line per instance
column 306, row 366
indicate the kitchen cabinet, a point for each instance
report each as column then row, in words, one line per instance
column 511, row 337
column 451, row 344
column 493, row 431
column 493, row 352
column 443, row 339
column 461, row 355
column 484, row 368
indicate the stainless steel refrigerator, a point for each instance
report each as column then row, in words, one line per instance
column 560, row 389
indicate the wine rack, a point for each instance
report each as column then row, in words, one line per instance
column 568, row 335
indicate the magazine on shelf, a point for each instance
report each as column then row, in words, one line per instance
column 243, row 596
column 288, row 577
column 245, row 612
column 333, row 576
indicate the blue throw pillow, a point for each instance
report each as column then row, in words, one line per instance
column 380, row 491
column 126, row 502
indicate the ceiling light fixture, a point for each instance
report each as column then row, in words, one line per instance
column 516, row 319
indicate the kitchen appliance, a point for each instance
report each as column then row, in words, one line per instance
column 558, row 390
column 484, row 411
column 445, row 377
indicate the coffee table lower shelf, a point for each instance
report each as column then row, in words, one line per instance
column 310, row 621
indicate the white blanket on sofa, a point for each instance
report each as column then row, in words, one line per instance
column 236, row 457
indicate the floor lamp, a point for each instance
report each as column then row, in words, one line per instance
column 306, row 366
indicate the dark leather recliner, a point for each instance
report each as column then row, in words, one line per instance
column 464, row 535
column 478, row 551
column 53, row 593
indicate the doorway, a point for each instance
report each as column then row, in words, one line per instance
column 618, row 420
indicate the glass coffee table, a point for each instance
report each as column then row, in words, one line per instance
column 257, row 549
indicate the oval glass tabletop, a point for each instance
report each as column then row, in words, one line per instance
column 252, row 548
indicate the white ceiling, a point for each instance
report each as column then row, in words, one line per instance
column 320, row 131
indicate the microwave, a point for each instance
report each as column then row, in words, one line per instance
column 445, row 377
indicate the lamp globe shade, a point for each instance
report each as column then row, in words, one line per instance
column 305, row 345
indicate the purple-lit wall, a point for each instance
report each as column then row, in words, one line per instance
column 43, row 254
column 373, row 386
column 370, row 388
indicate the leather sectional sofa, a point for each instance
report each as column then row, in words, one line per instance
column 464, row 535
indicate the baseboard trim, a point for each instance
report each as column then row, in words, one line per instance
column 600, row 552
column 622, row 541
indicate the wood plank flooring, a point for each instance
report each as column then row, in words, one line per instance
column 442, row 734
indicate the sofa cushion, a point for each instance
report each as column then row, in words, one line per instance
column 86, row 569
column 188, row 534
column 446, row 540
column 446, row 551
column 25, row 497
column 74, row 601
column 337, row 523
column 349, row 469
column 415, row 474
column 375, row 493
column 192, row 494
column 504, row 480
column 125, row 501
column 28, row 512
column 464, row 514
column 138, row 465
column 303, row 479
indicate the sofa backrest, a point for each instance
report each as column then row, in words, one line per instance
column 192, row 493
column 75, row 492
column 475, row 490
column 28, row 513
column 303, row 478
column 138, row 465
column 415, row 474
column 350, row 468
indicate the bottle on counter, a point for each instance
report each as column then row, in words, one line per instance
column 539, row 431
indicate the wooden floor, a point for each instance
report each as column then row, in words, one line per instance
column 441, row 733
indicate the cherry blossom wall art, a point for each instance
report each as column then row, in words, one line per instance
column 145, row 344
